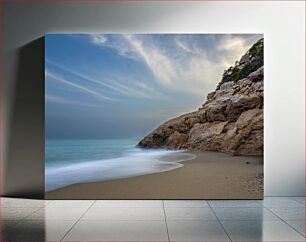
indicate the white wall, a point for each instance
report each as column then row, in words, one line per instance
column 283, row 26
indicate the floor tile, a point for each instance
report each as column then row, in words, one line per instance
column 7, row 228
column 57, row 214
column 4, row 224
column 244, row 214
column 39, row 230
column 298, row 225
column 281, row 202
column 235, row 203
column 185, row 203
column 118, row 231
column 127, row 203
column 260, row 231
column 289, row 213
column 300, row 200
column 124, row 214
column 16, row 213
column 70, row 203
column 22, row 203
column 189, row 214
column 140, row 220
column 196, row 231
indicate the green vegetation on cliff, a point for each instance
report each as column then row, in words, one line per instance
column 248, row 63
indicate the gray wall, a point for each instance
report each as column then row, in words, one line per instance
column 23, row 85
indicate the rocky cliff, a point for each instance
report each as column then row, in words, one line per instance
column 231, row 120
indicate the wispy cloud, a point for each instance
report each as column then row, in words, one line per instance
column 232, row 47
column 116, row 42
column 136, row 82
column 81, row 88
column 174, row 69
column 158, row 63
column 185, row 62
column 134, row 90
column 61, row 100
column 183, row 45
column 98, row 39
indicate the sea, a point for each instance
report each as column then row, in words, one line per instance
column 70, row 162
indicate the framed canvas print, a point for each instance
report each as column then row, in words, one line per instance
column 154, row 116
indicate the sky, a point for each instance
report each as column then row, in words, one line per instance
column 109, row 86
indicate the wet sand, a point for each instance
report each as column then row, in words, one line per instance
column 210, row 175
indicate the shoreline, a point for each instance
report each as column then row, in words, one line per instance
column 209, row 175
column 151, row 163
column 182, row 153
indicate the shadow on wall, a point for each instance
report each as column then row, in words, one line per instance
column 24, row 168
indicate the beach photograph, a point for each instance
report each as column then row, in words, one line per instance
column 154, row 116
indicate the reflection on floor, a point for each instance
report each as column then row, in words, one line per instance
column 273, row 219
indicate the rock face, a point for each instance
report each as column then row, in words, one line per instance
column 231, row 120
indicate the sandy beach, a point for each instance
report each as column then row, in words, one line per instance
column 210, row 175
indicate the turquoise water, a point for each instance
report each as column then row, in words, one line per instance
column 75, row 161
column 72, row 151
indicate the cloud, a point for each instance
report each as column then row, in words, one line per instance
column 61, row 100
column 183, row 45
column 186, row 44
column 189, row 71
column 135, row 89
column 116, row 42
column 99, row 39
column 157, row 62
column 232, row 44
column 81, row 88
column 232, row 49
column 187, row 63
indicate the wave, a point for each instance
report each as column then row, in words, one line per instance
column 135, row 163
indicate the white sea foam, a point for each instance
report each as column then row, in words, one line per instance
column 135, row 163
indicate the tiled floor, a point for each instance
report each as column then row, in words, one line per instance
column 274, row 219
